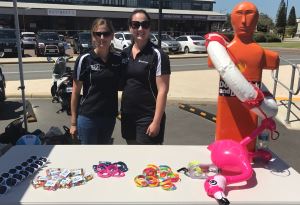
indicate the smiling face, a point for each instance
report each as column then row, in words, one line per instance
column 244, row 19
column 140, row 27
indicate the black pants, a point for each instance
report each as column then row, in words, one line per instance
column 134, row 129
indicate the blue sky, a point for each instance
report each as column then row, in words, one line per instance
column 268, row 7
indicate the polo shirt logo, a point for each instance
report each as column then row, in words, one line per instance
column 145, row 62
column 125, row 60
column 96, row 67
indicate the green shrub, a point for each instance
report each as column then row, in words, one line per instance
column 270, row 37
column 259, row 37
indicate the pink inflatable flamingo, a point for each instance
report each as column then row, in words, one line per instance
column 233, row 159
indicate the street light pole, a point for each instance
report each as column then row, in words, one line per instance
column 159, row 23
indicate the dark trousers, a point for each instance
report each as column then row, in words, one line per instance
column 134, row 129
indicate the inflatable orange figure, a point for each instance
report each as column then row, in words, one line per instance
column 234, row 120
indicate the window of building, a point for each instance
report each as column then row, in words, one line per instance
column 132, row 3
column 154, row 4
column 202, row 6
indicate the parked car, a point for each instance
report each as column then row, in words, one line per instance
column 28, row 39
column 63, row 39
column 168, row 44
column 48, row 43
column 82, row 42
column 121, row 40
column 8, row 43
column 191, row 43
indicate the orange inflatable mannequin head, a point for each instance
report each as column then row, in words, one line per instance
column 244, row 18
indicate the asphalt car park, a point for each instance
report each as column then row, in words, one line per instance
column 182, row 128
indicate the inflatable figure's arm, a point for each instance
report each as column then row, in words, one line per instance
column 271, row 59
column 251, row 96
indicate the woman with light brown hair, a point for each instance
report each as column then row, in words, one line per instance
column 97, row 73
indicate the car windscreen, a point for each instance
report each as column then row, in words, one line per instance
column 7, row 34
column 197, row 38
column 49, row 36
column 165, row 37
column 128, row 36
column 28, row 35
column 85, row 36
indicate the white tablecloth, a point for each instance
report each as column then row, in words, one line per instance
column 279, row 184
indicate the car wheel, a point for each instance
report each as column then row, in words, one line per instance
column 186, row 50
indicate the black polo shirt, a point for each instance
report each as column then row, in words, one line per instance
column 140, row 90
column 100, row 84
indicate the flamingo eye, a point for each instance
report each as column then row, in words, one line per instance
column 213, row 182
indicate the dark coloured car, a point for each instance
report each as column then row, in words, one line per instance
column 8, row 43
column 82, row 42
column 48, row 43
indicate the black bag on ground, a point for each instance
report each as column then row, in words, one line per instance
column 13, row 131
column 62, row 139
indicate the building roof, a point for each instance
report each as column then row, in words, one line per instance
column 29, row 6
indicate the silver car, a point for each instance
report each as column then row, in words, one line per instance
column 28, row 39
column 168, row 44
column 191, row 43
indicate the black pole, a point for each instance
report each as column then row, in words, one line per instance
column 159, row 23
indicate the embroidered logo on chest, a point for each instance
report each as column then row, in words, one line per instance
column 96, row 67
column 145, row 62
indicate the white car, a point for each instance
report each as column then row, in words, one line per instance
column 191, row 43
column 28, row 39
column 121, row 40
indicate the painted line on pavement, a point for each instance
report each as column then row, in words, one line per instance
column 38, row 71
column 294, row 99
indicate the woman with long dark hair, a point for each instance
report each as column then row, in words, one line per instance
column 147, row 77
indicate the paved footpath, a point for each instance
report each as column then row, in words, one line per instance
column 186, row 86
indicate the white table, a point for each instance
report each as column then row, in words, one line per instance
column 267, row 187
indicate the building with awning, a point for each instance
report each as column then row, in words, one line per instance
column 179, row 16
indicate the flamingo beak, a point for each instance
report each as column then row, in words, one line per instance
column 223, row 201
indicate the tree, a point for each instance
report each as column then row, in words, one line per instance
column 265, row 23
column 281, row 18
column 292, row 17
column 292, row 23
column 227, row 23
